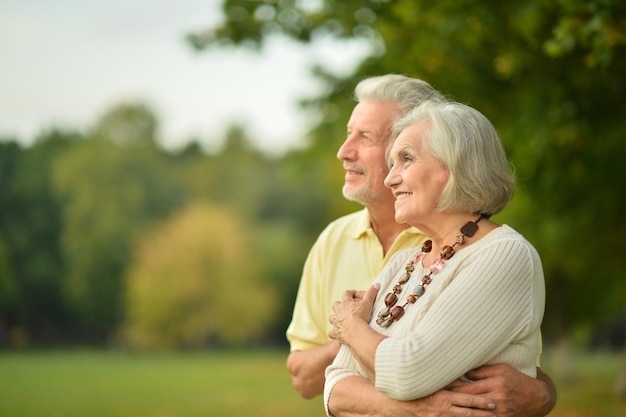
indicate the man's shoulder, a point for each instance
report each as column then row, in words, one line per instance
column 351, row 224
column 357, row 217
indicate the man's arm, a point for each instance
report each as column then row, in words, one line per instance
column 355, row 396
column 307, row 368
column 515, row 394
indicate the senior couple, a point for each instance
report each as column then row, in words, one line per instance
column 419, row 304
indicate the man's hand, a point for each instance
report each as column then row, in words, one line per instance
column 515, row 394
column 307, row 369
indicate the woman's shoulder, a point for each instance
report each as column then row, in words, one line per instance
column 509, row 240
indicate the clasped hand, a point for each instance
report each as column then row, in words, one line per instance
column 354, row 307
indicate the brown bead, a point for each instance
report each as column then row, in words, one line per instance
column 390, row 299
column 447, row 252
column 397, row 289
column 426, row 279
column 469, row 229
column 427, row 246
column 412, row 298
column 396, row 313
column 405, row 278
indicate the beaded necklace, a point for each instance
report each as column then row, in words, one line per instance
column 393, row 312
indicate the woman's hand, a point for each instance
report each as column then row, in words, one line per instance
column 353, row 310
column 350, row 320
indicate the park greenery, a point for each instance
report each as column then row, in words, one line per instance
column 548, row 73
column 107, row 238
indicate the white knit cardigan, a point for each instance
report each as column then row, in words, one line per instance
column 484, row 307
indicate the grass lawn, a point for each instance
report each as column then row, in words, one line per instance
column 116, row 384
column 103, row 384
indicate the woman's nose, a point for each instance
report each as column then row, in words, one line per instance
column 392, row 178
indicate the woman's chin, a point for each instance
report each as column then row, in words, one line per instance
column 401, row 219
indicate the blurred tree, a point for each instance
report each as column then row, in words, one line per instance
column 30, row 225
column 113, row 185
column 128, row 124
column 196, row 279
column 285, row 200
column 8, row 295
column 549, row 74
column 281, row 250
column 10, row 153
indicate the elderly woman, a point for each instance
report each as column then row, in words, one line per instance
column 471, row 295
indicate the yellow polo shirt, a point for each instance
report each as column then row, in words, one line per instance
column 346, row 255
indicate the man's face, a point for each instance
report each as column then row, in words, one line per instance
column 363, row 152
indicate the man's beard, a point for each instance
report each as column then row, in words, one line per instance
column 362, row 195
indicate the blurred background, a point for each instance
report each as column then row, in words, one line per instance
column 166, row 165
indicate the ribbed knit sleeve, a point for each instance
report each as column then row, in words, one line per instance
column 485, row 306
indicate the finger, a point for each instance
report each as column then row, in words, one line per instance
column 358, row 295
column 469, row 401
column 372, row 291
column 473, row 388
column 348, row 295
column 456, row 383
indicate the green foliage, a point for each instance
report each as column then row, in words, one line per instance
column 30, row 227
column 196, row 278
column 549, row 74
column 8, row 287
column 110, row 192
column 129, row 124
column 280, row 251
column 100, row 197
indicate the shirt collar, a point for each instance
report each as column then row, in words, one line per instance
column 363, row 226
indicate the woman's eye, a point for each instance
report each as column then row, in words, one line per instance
column 407, row 158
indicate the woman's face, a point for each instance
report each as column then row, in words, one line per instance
column 416, row 178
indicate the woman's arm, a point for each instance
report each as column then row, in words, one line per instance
column 355, row 396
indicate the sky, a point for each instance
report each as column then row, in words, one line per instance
column 65, row 63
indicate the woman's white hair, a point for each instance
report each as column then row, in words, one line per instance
column 464, row 140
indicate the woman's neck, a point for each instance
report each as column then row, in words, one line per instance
column 383, row 222
column 444, row 231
